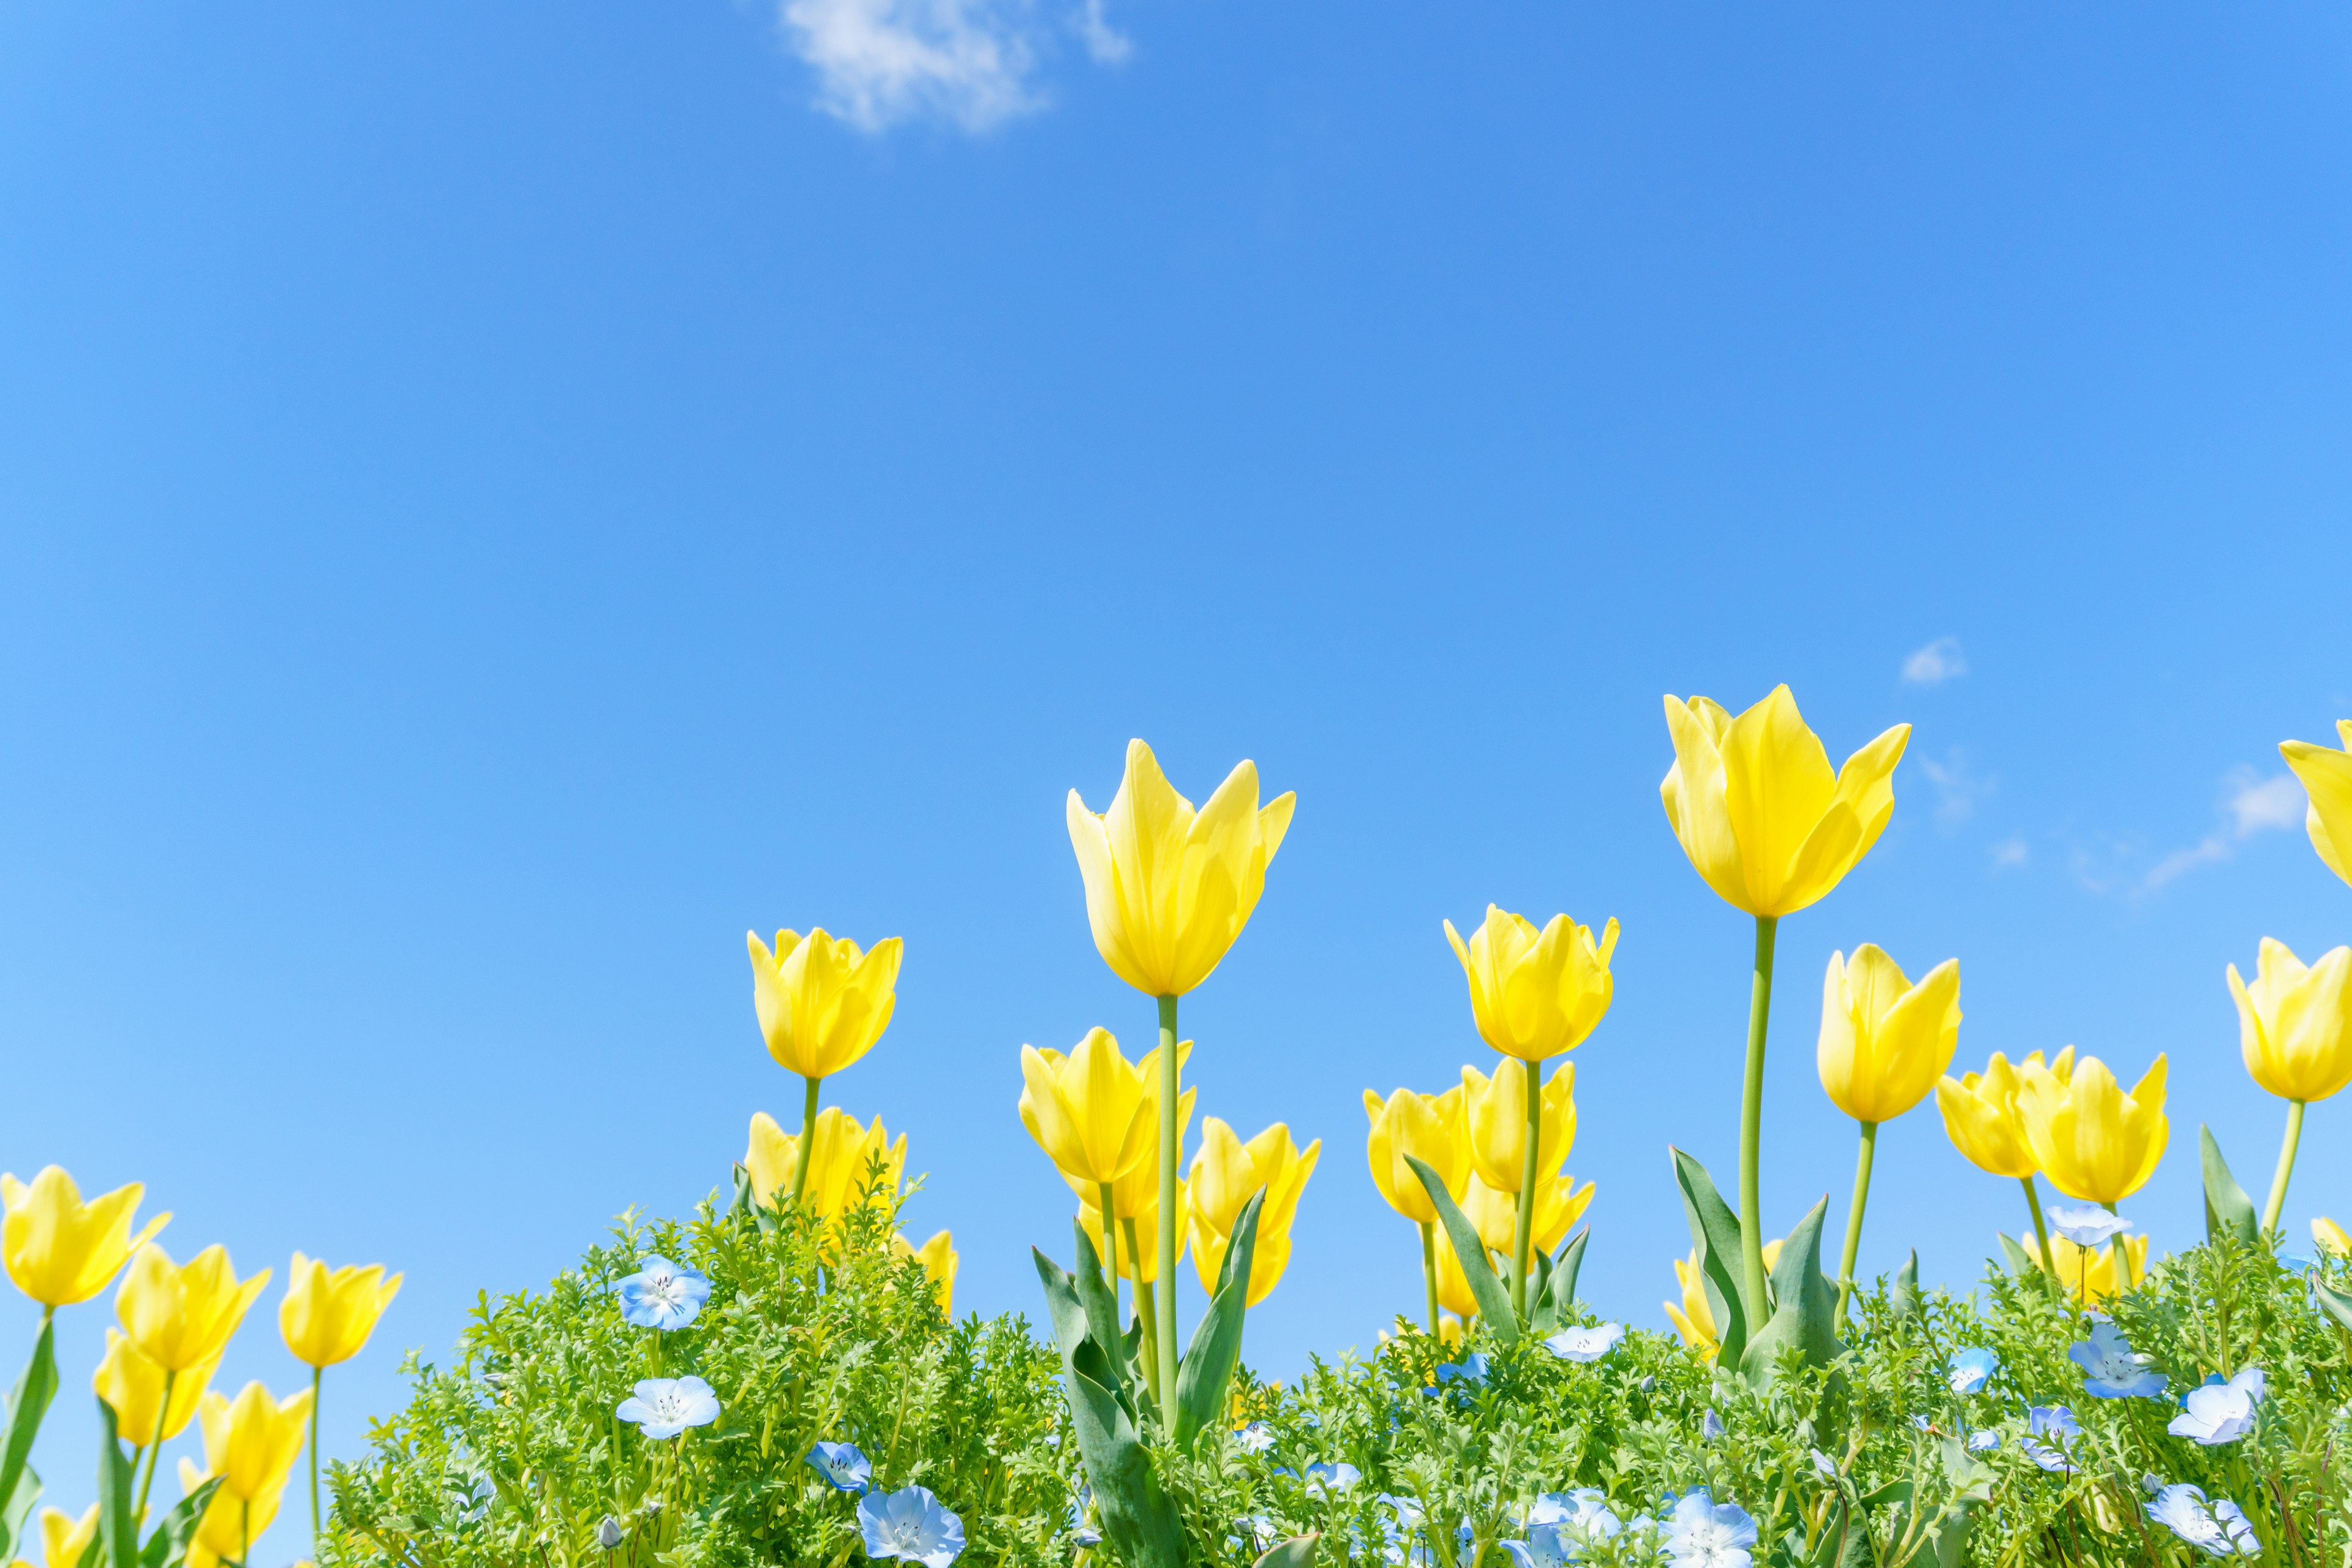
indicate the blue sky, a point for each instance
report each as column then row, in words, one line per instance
column 496, row 501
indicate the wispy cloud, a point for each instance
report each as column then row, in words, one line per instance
column 1939, row 661
column 2010, row 854
column 2251, row 804
column 971, row 63
column 1959, row 788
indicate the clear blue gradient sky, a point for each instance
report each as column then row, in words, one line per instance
column 497, row 501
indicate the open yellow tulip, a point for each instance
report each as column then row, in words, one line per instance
column 64, row 1538
column 2326, row 775
column 1226, row 1173
column 251, row 1441
column 822, row 1003
column 327, row 1314
column 133, row 1387
column 1087, row 1109
column 231, row 1525
column 938, row 1257
column 840, row 1163
column 60, row 1250
column 2295, row 1029
column 180, row 1316
column 1981, row 1118
column 2093, row 1141
column 1534, row 994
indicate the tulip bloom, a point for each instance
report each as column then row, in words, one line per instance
column 1496, row 1113
column 1226, row 1173
column 60, row 1250
column 2295, row 1029
column 64, row 1538
column 2326, row 775
column 1534, row 994
column 839, row 1165
column 2090, row 1139
column 180, row 1316
column 938, row 1257
column 1429, row 1128
column 133, row 1387
column 1694, row 1319
column 1980, row 1118
column 1453, row 1284
column 2330, row 1237
column 230, row 1525
column 1884, row 1043
column 250, row 1442
column 1559, row 1204
column 822, row 1003
column 326, row 1318
column 1771, row 829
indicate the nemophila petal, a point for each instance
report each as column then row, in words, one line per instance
column 2051, row 1431
column 1586, row 1344
column 1471, row 1368
column 2220, row 1411
column 1255, row 1439
column 2086, row 1225
column 2296, row 1263
column 1703, row 1533
column 1711, row 1428
column 663, row 1295
column 1336, row 1477
column 1970, row 1368
column 1984, row 1441
column 842, row 1465
column 2111, row 1369
column 665, row 1406
column 910, row 1525
column 2218, row 1529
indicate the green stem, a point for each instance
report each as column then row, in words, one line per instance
column 1110, row 1254
column 244, row 1533
column 318, row 1376
column 1853, row 1222
column 1523, row 1227
column 1751, row 1126
column 2118, row 1258
column 2041, row 1231
column 2277, row 1202
column 1165, row 1287
column 808, row 1141
column 1429, row 1273
column 163, row 1418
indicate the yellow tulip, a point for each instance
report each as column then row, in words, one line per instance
column 2090, row 1139
column 2073, row 1261
column 1453, row 1284
column 2330, row 1239
column 1427, row 1127
column 1757, row 808
column 938, row 1257
column 1534, row 994
column 1138, row 1233
column 1226, row 1173
column 1885, row 1040
column 2326, row 775
column 838, row 1172
column 2294, row 1024
column 821, row 1001
column 327, row 1316
column 60, row 1250
column 65, row 1538
column 1559, row 1204
column 250, row 1442
column 1694, row 1320
column 1093, row 1112
column 133, row 1387
column 1137, row 1194
column 1980, row 1113
column 1496, row 1111
column 231, row 1525
column 180, row 1316
column 1169, row 890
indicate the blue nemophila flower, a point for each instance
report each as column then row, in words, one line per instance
column 1970, row 1369
column 1704, row 1533
column 2088, row 1224
column 1519, row 1553
column 842, row 1465
column 1563, row 1525
column 1470, row 1369
column 1082, row 1532
column 662, row 1294
column 2218, row 1530
column 1338, row 1476
column 1255, row 1439
column 1825, row 1464
column 2050, row 1433
column 2111, row 1369
column 1586, row 1344
column 2220, row 1412
column 1408, row 1510
column 1984, row 1441
column 608, row 1533
column 2296, row 1263
column 909, row 1524
column 665, row 1406
column 1711, row 1428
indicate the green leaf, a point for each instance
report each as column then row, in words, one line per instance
column 1296, row 1552
column 1493, row 1297
column 2227, row 1207
column 1806, row 1303
column 2021, row 1262
column 19, row 1506
column 1903, row 1300
column 1714, row 1232
column 1558, row 1293
column 1208, row 1364
column 2334, row 1302
column 169, row 1545
column 117, row 1528
column 1138, row 1519
column 27, row 1406
column 1102, row 1316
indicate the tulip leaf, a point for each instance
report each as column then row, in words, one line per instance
column 118, row 1527
column 1714, row 1232
column 19, row 1506
column 2334, row 1302
column 1559, row 1292
column 2021, row 1262
column 1807, row 1305
column 1102, row 1315
column 1138, row 1519
column 2227, row 1207
column 1296, row 1552
column 1902, row 1299
column 168, row 1547
column 27, row 1406
column 1493, row 1297
column 1208, row 1365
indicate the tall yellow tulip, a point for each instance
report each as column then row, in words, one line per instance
column 939, row 1261
column 842, row 1157
column 181, row 1315
column 1093, row 1114
column 326, row 1318
column 1771, row 829
column 2093, row 1141
column 2326, row 775
column 2294, row 1028
column 1226, row 1173
column 1168, row 891
column 1884, row 1043
column 230, row 1525
column 822, row 1003
column 60, row 1250
column 133, row 1387
column 1429, row 1128
column 64, row 1538
column 1980, row 1117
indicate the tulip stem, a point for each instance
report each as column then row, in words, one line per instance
column 2277, row 1202
column 1853, row 1221
column 1428, row 1274
column 1165, row 1285
column 162, row 1417
column 2041, row 1231
column 1148, row 1350
column 1523, row 1226
column 1110, row 1257
column 1751, row 1127
column 318, row 1375
column 807, row 1150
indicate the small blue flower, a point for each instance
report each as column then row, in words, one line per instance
column 1710, row 1429
column 842, row 1465
column 2220, row 1411
column 2088, row 1226
column 1470, row 1369
column 1338, row 1477
column 1983, row 1442
column 1704, row 1533
column 1517, row 1552
column 2111, row 1369
column 1970, row 1369
column 663, row 1295
column 2050, row 1433
column 2296, row 1263
column 1563, row 1525
column 665, row 1406
column 2218, row 1530
column 1586, row 1344
column 1255, row 1439
column 1408, row 1510
column 909, row 1524
column 1083, row 1533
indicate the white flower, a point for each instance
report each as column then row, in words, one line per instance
column 2089, row 1225
column 1586, row 1344
column 911, row 1524
column 1704, row 1533
column 2220, row 1530
column 2220, row 1411
column 2111, row 1369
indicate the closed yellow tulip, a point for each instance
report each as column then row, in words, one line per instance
column 2330, row 1239
column 938, row 1257
column 2093, row 1141
column 1495, row 1111
column 251, row 1441
column 821, row 1001
column 133, row 1387
column 2326, row 775
column 60, row 1250
column 1092, row 1110
column 1534, row 994
column 1559, row 1204
column 64, row 1538
column 1693, row 1320
column 1980, row 1113
column 2294, row 1024
column 844, row 1151
column 1137, row 1194
column 1759, row 812
column 1138, row 1233
column 1453, row 1284
column 328, row 1315
column 231, row 1525
column 1426, row 1127
column 1169, row 888
column 1226, row 1173
column 180, row 1316
column 1884, row 1041
column 2088, row 1273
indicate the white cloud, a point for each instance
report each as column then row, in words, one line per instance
column 1937, row 662
column 1958, row 789
column 2251, row 804
column 971, row 63
column 2010, row 854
